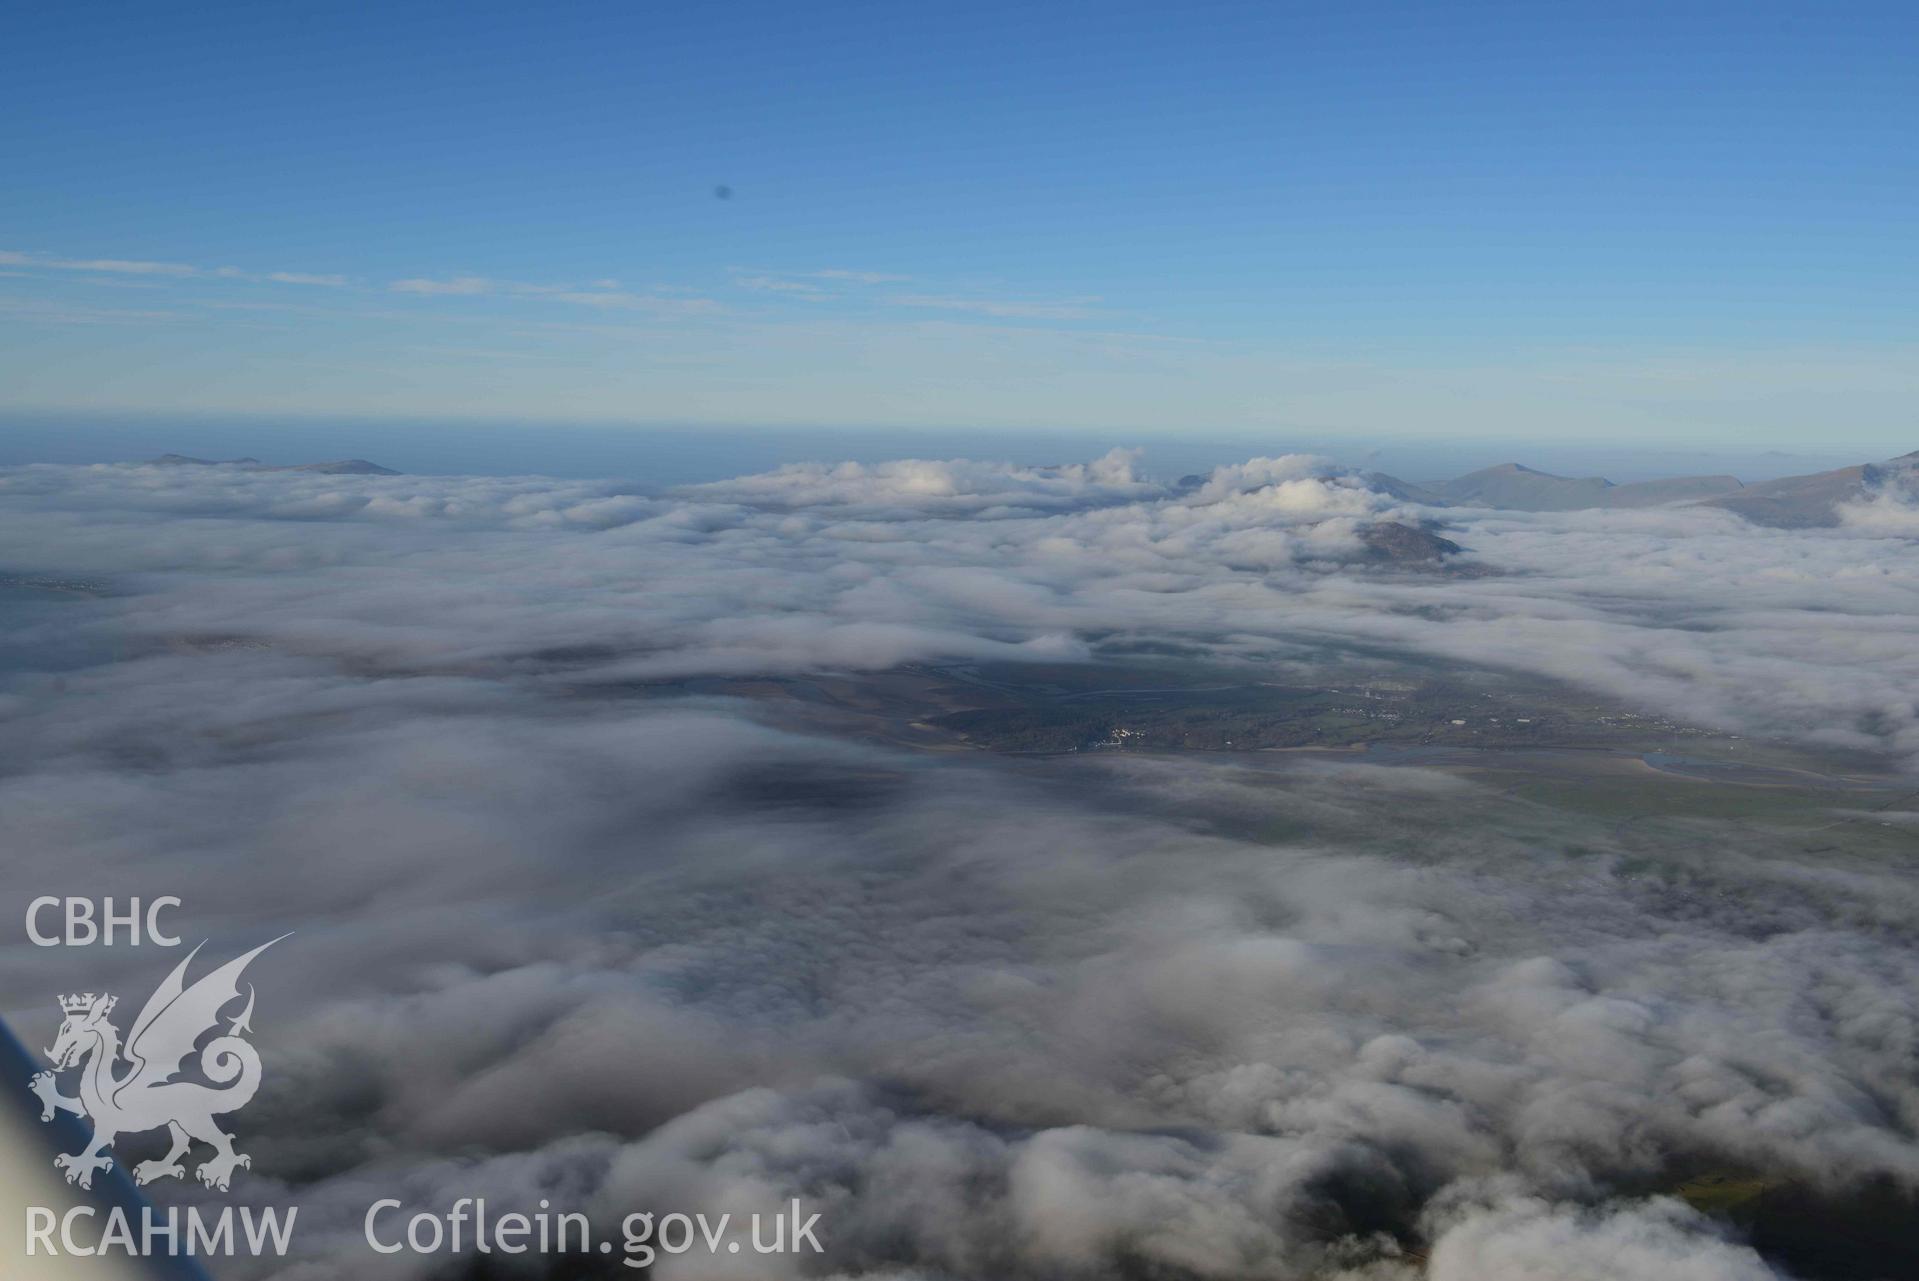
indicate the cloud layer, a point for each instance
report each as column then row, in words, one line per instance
column 1204, row 1017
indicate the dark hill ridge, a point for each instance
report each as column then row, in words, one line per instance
column 1391, row 540
column 341, row 467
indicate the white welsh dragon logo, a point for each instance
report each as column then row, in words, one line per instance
column 146, row 1096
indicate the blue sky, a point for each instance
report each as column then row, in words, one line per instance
column 1660, row 223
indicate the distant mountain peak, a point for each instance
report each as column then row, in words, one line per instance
column 187, row 460
column 1813, row 502
column 344, row 467
column 340, row 467
column 1517, row 486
